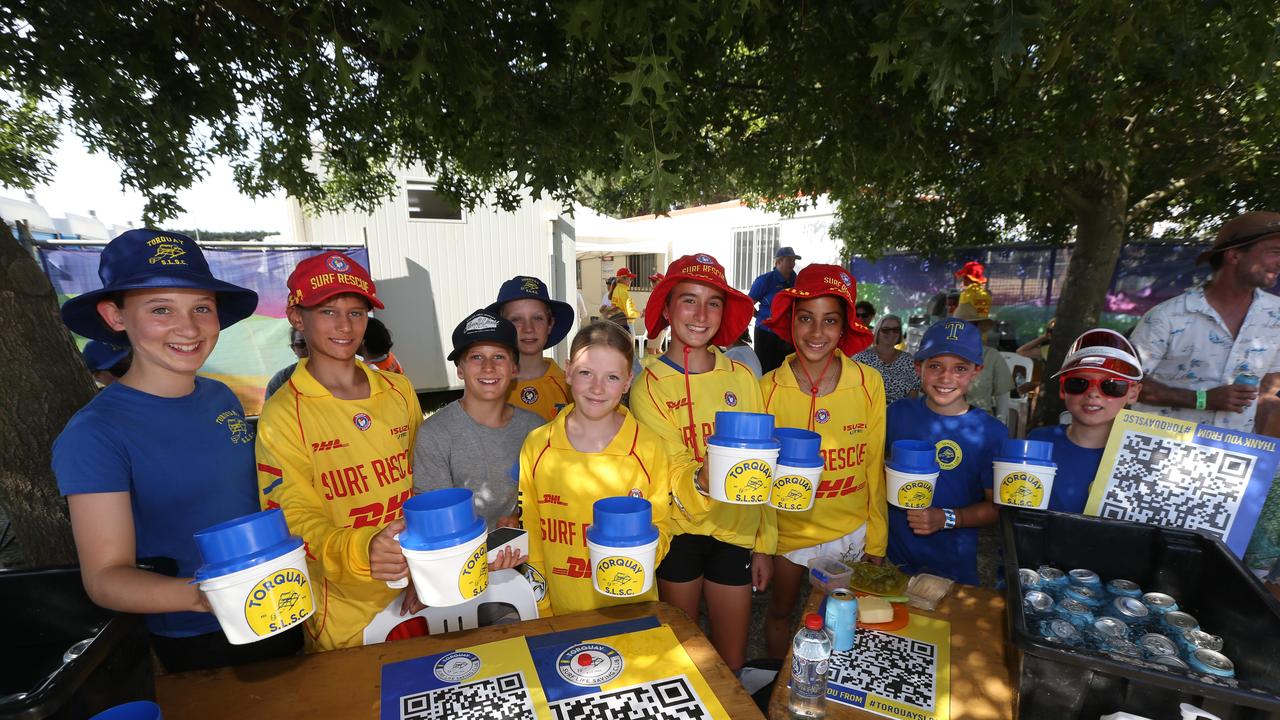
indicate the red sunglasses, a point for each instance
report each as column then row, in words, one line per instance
column 1111, row 387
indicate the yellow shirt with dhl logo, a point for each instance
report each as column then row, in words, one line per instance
column 659, row 402
column 541, row 394
column 558, row 487
column 340, row 470
column 850, row 420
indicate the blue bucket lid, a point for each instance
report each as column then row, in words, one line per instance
column 622, row 522
column 244, row 542
column 439, row 519
column 136, row 710
column 913, row 456
column 1032, row 452
column 800, row 448
column 744, row 430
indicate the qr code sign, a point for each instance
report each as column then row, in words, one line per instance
column 894, row 667
column 504, row 697
column 1176, row 484
column 669, row 699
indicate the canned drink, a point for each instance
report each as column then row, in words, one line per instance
column 1178, row 622
column 1123, row 647
column 1129, row 610
column 1171, row 661
column 1085, row 577
column 1037, row 603
column 1159, row 603
column 1124, row 588
column 1051, row 576
column 1089, row 596
column 1156, row 645
column 1248, row 378
column 1059, row 630
column 1194, row 640
column 842, row 618
column 1211, row 662
column 1029, row 579
column 1075, row 612
column 1111, row 628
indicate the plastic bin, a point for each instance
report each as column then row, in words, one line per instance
column 46, row 612
column 827, row 573
column 1199, row 571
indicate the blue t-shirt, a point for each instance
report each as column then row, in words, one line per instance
column 186, row 462
column 1076, row 468
column 763, row 290
column 966, row 445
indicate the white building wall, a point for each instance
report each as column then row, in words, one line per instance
column 433, row 273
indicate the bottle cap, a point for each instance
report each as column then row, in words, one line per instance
column 813, row 621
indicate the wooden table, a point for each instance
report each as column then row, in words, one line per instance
column 981, row 688
column 347, row 683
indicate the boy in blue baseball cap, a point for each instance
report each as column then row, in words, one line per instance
column 541, row 324
column 162, row 453
column 943, row 538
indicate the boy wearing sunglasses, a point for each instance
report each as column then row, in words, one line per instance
column 1099, row 377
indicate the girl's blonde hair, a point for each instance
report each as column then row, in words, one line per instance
column 607, row 334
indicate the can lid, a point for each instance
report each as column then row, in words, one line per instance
column 813, row 621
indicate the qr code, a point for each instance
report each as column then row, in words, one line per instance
column 669, row 699
column 891, row 666
column 504, row 697
column 1176, row 484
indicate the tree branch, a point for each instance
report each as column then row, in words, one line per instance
column 1177, row 185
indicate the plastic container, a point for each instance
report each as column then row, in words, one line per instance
column 254, row 576
column 137, row 710
column 910, row 474
column 799, row 470
column 1023, row 474
column 47, row 614
column 1207, row 580
column 827, row 573
column 622, row 544
column 740, row 458
column 444, row 544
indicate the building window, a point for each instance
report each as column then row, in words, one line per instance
column 753, row 249
column 643, row 266
column 427, row 204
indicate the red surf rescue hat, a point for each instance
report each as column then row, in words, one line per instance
column 815, row 281
column 700, row 268
column 322, row 276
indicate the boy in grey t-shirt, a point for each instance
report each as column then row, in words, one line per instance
column 475, row 442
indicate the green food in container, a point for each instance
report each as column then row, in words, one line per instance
column 884, row 579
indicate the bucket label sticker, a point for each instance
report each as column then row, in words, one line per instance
column 473, row 579
column 791, row 492
column 948, row 454
column 589, row 664
column 915, row 494
column 456, row 666
column 278, row 601
column 1022, row 489
column 619, row 576
column 749, row 481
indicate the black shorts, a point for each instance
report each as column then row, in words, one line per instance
column 695, row 556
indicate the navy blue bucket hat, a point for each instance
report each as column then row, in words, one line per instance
column 145, row 259
column 525, row 287
column 103, row 356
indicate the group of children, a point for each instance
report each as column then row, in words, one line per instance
column 163, row 453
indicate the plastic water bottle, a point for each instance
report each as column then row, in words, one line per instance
column 810, row 654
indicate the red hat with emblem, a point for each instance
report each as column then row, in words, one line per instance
column 973, row 270
column 700, row 268
column 322, row 276
column 815, row 281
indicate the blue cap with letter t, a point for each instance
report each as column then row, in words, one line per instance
column 952, row 336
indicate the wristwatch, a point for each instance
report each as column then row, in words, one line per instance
column 950, row 519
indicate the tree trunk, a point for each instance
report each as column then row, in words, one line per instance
column 45, row 382
column 1100, row 232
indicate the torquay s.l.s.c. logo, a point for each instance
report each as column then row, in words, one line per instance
column 619, row 576
column 530, row 285
column 529, row 396
column 456, row 666
column 589, row 664
column 473, row 578
column 337, row 264
column 749, row 481
column 278, row 601
column 166, row 250
column 730, row 399
column 949, row 454
column 362, row 420
column 239, row 428
column 1021, row 488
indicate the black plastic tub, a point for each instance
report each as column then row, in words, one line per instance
column 1063, row 683
column 43, row 614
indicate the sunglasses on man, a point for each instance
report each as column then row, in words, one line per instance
column 1111, row 387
